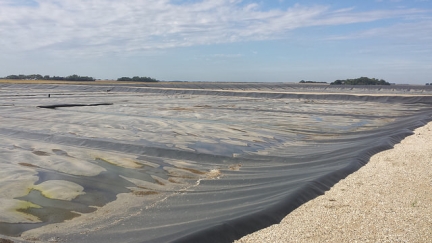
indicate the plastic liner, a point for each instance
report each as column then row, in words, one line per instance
column 371, row 93
column 184, row 162
column 71, row 105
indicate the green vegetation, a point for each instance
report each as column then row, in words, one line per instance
column 75, row 78
column 47, row 77
column 311, row 82
column 138, row 79
column 361, row 81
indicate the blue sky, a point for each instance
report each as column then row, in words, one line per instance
column 219, row 40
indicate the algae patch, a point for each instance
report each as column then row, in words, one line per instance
column 11, row 211
column 61, row 190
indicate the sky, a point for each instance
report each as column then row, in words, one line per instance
column 219, row 40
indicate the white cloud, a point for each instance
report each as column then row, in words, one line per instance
column 95, row 27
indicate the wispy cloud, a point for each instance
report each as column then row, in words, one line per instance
column 349, row 17
column 414, row 32
column 95, row 27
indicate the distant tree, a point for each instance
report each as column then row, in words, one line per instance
column 47, row 77
column 22, row 76
column 34, row 77
column 12, row 77
column 361, row 81
column 312, row 82
column 57, row 78
column 124, row 79
column 138, row 79
column 79, row 78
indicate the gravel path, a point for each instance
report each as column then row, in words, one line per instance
column 388, row 200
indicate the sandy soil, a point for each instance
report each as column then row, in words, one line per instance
column 388, row 200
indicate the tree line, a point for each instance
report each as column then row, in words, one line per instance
column 75, row 77
column 356, row 81
column 361, row 81
column 311, row 82
column 138, row 79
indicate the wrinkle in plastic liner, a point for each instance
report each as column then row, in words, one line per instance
column 184, row 162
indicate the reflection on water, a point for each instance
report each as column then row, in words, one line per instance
column 44, row 205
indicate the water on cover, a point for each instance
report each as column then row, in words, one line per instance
column 191, row 164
